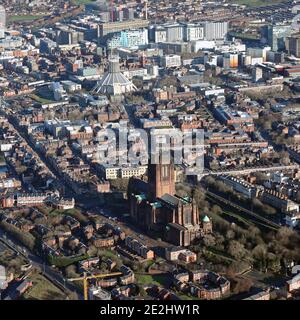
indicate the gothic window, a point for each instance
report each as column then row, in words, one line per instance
column 187, row 217
column 186, row 238
column 165, row 171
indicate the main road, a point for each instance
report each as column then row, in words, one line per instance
column 53, row 275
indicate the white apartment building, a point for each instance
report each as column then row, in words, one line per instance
column 111, row 172
column 193, row 32
column 178, row 32
column 215, row 30
column 135, row 171
column 160, row 35
column 292, row 219
column 174, row 32
column 170, row 60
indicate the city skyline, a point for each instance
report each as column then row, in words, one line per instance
column 149, row 150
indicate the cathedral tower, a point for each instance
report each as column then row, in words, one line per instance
column 161, row 178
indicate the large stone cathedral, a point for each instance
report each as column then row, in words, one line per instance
column 155, row 206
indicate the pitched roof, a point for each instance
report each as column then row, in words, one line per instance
column 171, row 200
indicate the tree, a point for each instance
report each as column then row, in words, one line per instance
column 73, row 296
column 254, row 231
column 216, row 209
column 210, row 181
column 103, row 267
column 257, row 203
column 222, row 187
column 62, row 228
column 267, row 124
column 236, row 249
column 135, row 99
column 283, row 235
column 219, row 240
column 27, row 239
column 209, row 240
column 261, row 177
column 284, row 158
column 92, row 251
column 241, row 285
column 168, row 81
column 260, row 254
column 237, row 267
column 298, row 196
column 138, row 83
column 214, row 165
column 183, row 190
column 230, row 234
column 266, row 119
column 55, row 220
column 70, row 271
column 142, row 291
column 119, row 184
column 273, row 262
column 268, row 209
column 75, row 213
column 199, row 195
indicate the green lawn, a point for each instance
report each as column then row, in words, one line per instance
column 257, row 3
column 40, row 99
column 158, row 279
column 79, row 2
column 108, row 254
column 43, row 289
column 148, row 263
column 75, row 213
column 29, row 17
column 220, row 254
column 244, row 36
column 183, row 296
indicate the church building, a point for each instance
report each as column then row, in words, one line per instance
column 155, row 206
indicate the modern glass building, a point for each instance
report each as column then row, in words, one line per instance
column 128, row 39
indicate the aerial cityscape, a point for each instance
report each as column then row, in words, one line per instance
column 149, row 150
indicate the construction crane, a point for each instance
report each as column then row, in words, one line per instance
column 86, row 278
